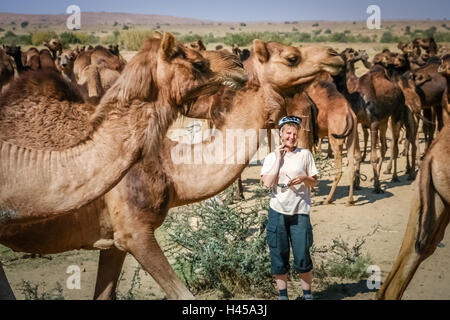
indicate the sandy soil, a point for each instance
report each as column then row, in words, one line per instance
column 389, row 211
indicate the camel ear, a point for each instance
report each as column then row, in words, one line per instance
column 157, row 35
column 168, row 46
column 261, row 51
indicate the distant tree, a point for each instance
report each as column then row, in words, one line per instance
column 315, row 24
column 115, row 23
column 328, row 31
column 408, row 30
column 243, row 24
column 125, row 27
column 24, row 24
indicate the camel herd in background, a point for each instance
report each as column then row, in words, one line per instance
column 86, row 163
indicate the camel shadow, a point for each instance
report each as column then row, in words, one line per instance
column 341, row 291
column 365, row 194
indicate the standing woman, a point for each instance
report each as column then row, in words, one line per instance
column 290, row 172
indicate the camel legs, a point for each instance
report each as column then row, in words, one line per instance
column 109, row 267
column 336, row 146
column 374, row 128
column 366, row 139
column 383, row 144
column 408, row 259
column 6, row 292
column 396, row 126
column 351, row 144
column 358, row 160
column 144, row 247
column 411, row 140
column 428, row 128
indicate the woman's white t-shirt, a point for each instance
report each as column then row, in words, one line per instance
column 297, row 198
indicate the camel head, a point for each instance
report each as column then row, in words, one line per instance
column 64, row 62
column 114, row 49
column 196, row 45
column 13, row 51
column 228, row 68
column 402, row 45
column 54, row 45
column 351, row 55
column 166, row 70
column 428, row 44
column 420, row 77
column 283, row 67
column 444, row 67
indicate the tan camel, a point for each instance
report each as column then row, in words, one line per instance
column 124, row 220
column 38, row 179
column 97, row 70
column 336, row 120
column 429, row 216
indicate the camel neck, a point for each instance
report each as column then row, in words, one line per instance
column 240, row 133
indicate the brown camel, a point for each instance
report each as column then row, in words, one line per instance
column 430, row 86
column 377, row 99
column 124, row 220
column 6, row 69
column 46, row 60
column 19, row 57
column 398, row 68
column 428, row 44
column 444, row 69
column 429, row 216
column 335, row 119
column 38, row 179
column 55, row 47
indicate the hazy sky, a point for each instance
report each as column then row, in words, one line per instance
column 245, row 10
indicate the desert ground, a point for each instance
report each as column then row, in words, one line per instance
column 384, row 216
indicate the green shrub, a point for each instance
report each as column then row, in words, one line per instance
column 11, row 38
column 225, row 250
column 38, row 38
column 133, row 39
column 388, row 37
column 36, row 292
column 24, row 24
column 328, row 31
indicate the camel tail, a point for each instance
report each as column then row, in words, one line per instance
column 349, row 125
column 426, row 192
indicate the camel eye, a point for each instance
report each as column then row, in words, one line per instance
column 199, row 65
column 292, row 60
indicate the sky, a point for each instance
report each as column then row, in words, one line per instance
column 246, row 10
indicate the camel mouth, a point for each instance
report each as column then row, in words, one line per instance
column 332, row 68
column 234, row 80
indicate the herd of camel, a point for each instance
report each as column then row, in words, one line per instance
column 86, row 163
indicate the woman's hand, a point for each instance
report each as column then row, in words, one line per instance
column 297, row 180
column 309, row 181
column 280, row 151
